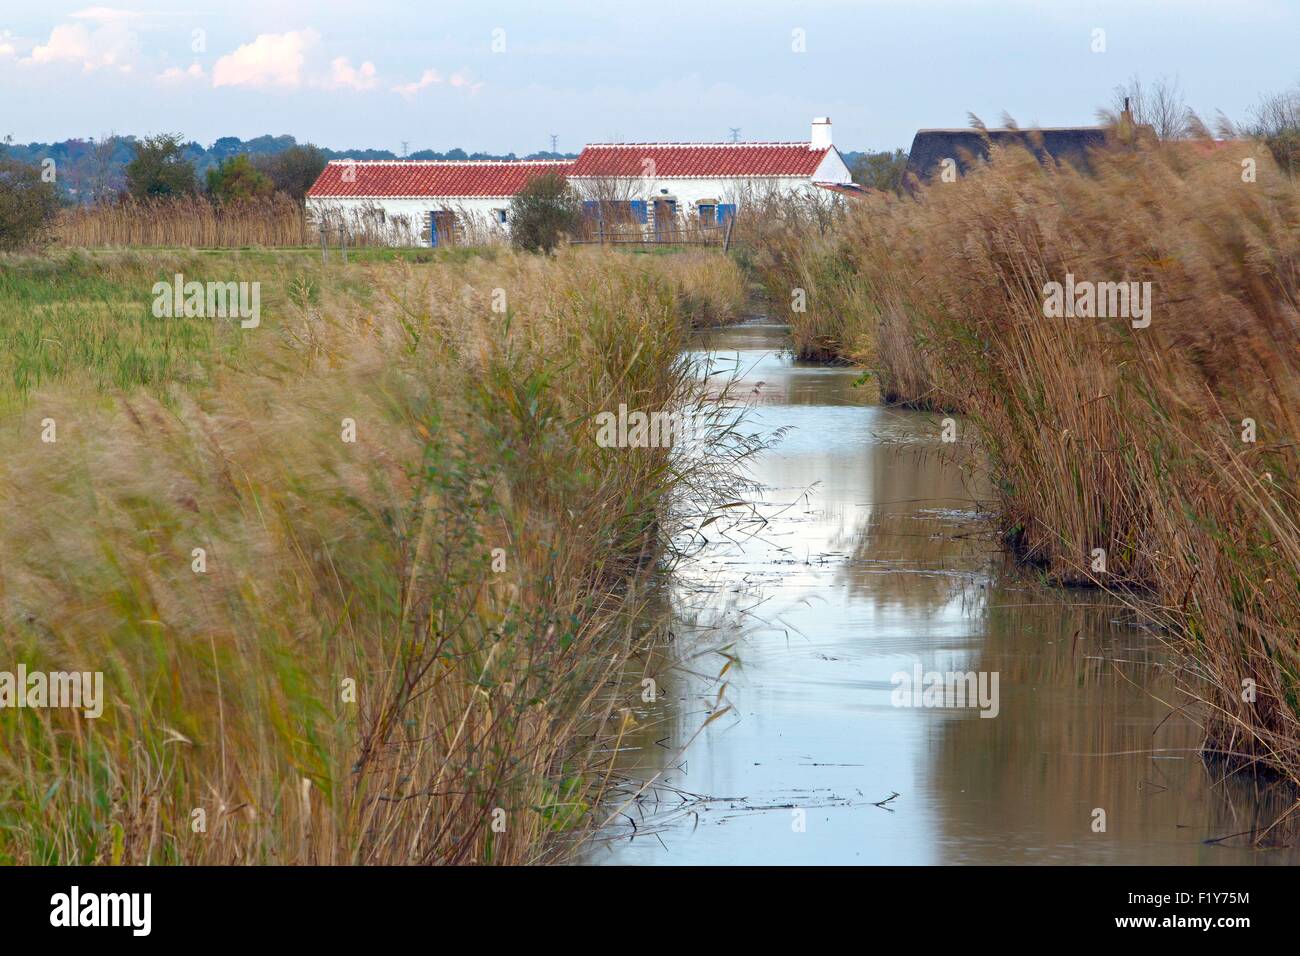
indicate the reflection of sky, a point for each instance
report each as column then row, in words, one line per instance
column 812, row 724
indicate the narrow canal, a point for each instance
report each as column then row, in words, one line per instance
column 870, row 554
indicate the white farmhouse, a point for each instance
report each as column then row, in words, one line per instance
column 654, row 186
column 705, row 183
column 422, row 202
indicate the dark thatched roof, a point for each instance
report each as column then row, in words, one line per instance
column 1064, row 144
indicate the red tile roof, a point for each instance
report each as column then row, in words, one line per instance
column 699, row 159
column 392, row 178
column 847, row 189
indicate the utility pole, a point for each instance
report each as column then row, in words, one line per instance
column 735, row 133
column 553, row 141
column 405, row 143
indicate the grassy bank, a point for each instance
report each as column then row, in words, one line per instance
column 1160, row 458
column 360, row 581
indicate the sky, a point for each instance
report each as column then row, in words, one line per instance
column 502, row 77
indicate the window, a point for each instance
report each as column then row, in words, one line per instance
column 501, row 215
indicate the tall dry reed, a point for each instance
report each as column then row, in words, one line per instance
column 189, row 221
column 1122, row 454
column 413, row 647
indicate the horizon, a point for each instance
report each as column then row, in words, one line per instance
column 208, row 145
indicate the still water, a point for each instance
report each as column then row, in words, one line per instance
column 869, row 552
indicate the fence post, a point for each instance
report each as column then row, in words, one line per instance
column 324, row 244
column 343, row 241
column 726, row 240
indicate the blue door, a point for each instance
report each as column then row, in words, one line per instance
column 442, row 222
column 665, row 218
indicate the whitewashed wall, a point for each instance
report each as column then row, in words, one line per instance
column 405, row 220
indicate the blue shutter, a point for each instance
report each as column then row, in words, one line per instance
column 639, row 211
column 591, row 207
column 725, row 211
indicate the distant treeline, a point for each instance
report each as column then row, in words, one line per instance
column 89, row 167
column 883, row 170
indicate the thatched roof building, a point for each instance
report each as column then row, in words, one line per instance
column 1062, row 144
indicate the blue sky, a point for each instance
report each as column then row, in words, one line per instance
column 504, row 76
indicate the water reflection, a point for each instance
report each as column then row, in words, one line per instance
column 868, row 555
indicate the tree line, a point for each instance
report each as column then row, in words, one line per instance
column 92, row 170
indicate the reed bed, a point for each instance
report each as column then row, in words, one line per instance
column 712, row 289
column 187, row 221
column 195, row 222
column 810, row 259
column 413, row 647
column 1159, row 461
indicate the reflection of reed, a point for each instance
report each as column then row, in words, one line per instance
column 687, row 667
column 923, row 543
column 1084, row 724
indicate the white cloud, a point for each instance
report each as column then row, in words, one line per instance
column 107, row 43
column 174, row 74
column 273, row 59
column 461, row 81
column 427, row 78
column 104, row 38
column 344, row 76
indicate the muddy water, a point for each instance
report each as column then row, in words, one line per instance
column 869, row 554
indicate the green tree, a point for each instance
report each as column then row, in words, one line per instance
column 543, row 212
column 883, row 171
column 237, row 179
column 28, row 205
column 292, row 170
column 159, row 168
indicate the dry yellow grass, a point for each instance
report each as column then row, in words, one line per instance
column 356, row 675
